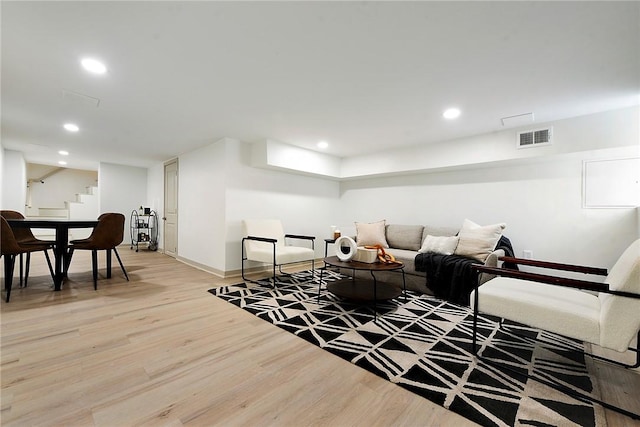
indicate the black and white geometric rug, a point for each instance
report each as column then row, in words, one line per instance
column 424, row 345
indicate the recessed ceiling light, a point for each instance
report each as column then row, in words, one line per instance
column 62, row 162
column 63, row 153
column 451, row 113
column 71, row 127
column 93, row 66
column 323, row 144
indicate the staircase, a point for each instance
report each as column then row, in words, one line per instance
column 86, row 206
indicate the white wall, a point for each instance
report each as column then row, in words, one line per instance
column 540, row 202
column 61, row 187
column 537, row 193
column 122, row 189
column 201, row 206
column 14, row 181
column 218, row 189
column 305, row 205
column 275, row 155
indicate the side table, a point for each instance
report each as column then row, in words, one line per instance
column 326, row 245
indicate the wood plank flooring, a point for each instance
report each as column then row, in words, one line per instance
column 160, row 351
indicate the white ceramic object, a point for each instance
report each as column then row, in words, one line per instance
column 348, row 242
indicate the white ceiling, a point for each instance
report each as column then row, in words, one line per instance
column 360, row 75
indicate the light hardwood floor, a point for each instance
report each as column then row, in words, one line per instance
column 160, row 350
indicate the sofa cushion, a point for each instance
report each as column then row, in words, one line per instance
column 477, row 241
column 404, row 236
column 438, row 231
column 570, row 311
column 370, row 234
column 406, row 257
column 445, row 245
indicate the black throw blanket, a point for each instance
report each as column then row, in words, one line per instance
column 451, row 277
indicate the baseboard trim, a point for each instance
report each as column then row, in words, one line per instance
column 202, row 267
column 238, row 272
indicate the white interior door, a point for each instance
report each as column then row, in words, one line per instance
column 170, row 218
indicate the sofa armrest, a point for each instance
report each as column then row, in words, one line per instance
column 491, row 261
column 494, row 257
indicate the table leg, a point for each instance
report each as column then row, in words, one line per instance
column 404, row 285
column 320, row 282
column 375, row 297
column 61, row 255
column 9, row 263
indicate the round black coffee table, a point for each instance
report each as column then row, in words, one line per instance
column 359, row 289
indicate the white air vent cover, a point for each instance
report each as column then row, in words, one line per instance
column 534, row 138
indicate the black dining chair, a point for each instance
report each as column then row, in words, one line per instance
column 108, row 234
column 10, row 248
column 25, row 237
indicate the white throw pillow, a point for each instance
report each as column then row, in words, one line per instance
column 444, row 245
column 369, row 234
column 477, row 241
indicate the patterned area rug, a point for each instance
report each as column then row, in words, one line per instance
column 424, row 345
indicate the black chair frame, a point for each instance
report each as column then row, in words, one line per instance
column 273, row 279
column 25, row 267
column 94, row 264
column 565, row 282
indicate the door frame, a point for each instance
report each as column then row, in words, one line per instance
column 164, row 216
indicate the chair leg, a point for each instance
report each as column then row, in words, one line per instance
column 623, row 365
column 67, row 262
column 636, row 350
column 21, row 270
column 94, row 267
column 274, row 265
column 244, row 258
column 9, row 263
column 274, row 274
column 46, row 255
column 108, row 263
column 557, row 385
column 121, row 265
column 320, row 283
column 269, row 280
column 242, row 270
column 26, row 269
column 474, row 344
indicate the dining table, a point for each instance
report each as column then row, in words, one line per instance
column 61, row 248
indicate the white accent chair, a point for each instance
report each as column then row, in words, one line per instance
column 608, row 315
column 266, row 242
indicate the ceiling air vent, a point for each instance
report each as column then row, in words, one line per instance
column 534, row 138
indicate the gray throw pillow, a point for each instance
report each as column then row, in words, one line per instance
column 404, row 236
